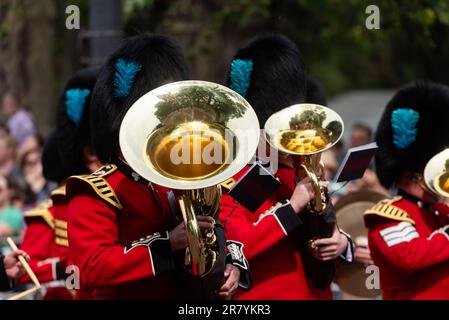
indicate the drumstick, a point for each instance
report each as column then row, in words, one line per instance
column 24, row 293
column 24, row 264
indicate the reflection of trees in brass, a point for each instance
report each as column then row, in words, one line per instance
column 199, row 103
column 444, row 181
column 308, row 119
column 314, row 119
column 444, row 178
column 286, row 137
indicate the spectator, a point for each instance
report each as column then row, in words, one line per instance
column 339, row 151
column 3, row 130
column 330, row 163
column 360, row 134
column 39, row 188
column 8, row 153
column 369, row 181
column 19, row 193
column 33, row 142
column 11, row 218
column 20, row 122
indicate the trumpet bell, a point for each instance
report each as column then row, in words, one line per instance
column 436, row 174
column 189, row 134
column 304, row 129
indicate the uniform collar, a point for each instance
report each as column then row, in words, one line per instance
column 420, row 203
column 130, row 173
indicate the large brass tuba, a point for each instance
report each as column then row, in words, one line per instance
column 185, row 136
column 436, row 174
column 304, row 131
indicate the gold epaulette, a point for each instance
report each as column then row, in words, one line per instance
column 58, row 194
column 228, row 184
column 42, row 212
column 101, row 186
column 61, row 233
column 59, row 191
column 386, row 209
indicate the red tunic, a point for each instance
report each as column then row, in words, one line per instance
column 46, row 242
column 434, row 282
column 403, row 245
column 118, row 237
column 271, row 244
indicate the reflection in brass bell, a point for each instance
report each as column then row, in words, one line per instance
column 436, row 174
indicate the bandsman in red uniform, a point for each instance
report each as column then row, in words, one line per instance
column 121, row 230
column 406, row 236
column 434, row 282
column 66, row 152
column 46, row 241
column 270, row 74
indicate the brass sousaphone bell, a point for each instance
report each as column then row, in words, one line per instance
column 436, row 174
column 185, row 136
column 304, row 131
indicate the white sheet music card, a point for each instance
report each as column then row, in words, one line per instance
column 355, row 162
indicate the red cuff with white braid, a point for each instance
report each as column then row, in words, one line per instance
column 159, row 249
column 236, row 257
column 287, row 218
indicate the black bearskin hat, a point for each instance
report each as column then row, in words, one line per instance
column 413, row 128
column 141, row 64
column 315, row 92
column 53, row 168
column 270, row 73
column 73, row 130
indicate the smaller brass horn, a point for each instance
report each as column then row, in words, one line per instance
column 436, row 174
column 304, row 131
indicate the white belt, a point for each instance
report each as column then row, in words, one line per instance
column 55, row 284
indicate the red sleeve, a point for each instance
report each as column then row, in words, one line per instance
column 95, row 249
column 37, row 243
column 256, row 236
column 443, row 212
column 400, row 245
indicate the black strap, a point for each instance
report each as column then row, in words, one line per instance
column 134, row 176
column 173, row 207
column 424, row 205
column 130, row 173
column 407, row 196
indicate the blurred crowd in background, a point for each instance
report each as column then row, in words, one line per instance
column 24, row 187
column 22, row 183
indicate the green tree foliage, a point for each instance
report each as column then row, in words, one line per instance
column 339, row 50
column 215, row 103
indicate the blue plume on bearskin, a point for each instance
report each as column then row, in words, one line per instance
column 403, row 122
column 74, row 102
column 241, row 75
column 125, row 73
